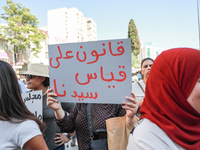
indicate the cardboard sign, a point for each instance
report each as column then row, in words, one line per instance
column 91, row 72
column 33, row 101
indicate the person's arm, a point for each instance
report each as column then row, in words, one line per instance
column 131, row 109
column 63, row 138
column 55, row 105
column 65, row 122
column 36, row 142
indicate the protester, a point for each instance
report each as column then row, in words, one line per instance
column 23, row 88
column 138, row 88
column 37, row 78
column 139, row 75
column 77, row 120
column 171, row 108
column 19, row 128
column 134, row 78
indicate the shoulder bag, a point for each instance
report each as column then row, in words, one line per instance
column 95, row 144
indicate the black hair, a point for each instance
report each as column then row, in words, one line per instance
column 142, row 64
column 11, row 103
column 46, row 82
column 145, row 60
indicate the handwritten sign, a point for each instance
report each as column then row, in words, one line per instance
column 33, row 101
column 91, row 72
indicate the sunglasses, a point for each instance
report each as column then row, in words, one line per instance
column 30, row 76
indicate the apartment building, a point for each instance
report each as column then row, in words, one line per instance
column 66, row 25
column 43, row 55
column 150, row 51
column 6, row 53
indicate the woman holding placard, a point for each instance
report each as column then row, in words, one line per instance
column 19, row 128
column 78, row 118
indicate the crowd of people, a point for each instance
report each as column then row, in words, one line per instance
column 163, row 112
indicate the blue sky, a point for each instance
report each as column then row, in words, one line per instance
column 165, row 23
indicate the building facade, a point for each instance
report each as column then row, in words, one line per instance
column 7, row 54
column 66, row 25
column 25, row 56
column 150, row 51
column 43, row 55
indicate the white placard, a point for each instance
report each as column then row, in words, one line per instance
column 91, row 72
column 33, row 101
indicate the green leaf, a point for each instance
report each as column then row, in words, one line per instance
column 22, row 28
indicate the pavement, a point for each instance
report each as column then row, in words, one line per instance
column 68, row 146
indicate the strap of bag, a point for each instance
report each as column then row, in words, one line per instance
column 141, row 87
column 138, row 111
column 90, row 123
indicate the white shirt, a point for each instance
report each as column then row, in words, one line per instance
column 137, row 90
column 23, row 88
column 14, row 136
column 148, row 136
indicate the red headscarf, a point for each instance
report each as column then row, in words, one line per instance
column 173, row 76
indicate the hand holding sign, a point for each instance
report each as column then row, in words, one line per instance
column 54, row 104
column 91, row 72
column 131, row 106
column 51, row 101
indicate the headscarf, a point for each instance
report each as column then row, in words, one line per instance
column 172, row 78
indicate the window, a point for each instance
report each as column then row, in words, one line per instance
column 148, row 52
column 89, row 21
column 3, row 45
column 157, row 53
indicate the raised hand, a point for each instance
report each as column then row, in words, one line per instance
column 54, row 104
column 131, row 108
column 51, row 101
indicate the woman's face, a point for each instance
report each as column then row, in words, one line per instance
column 35, row 83
column 146, row 67
column 194, row 97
